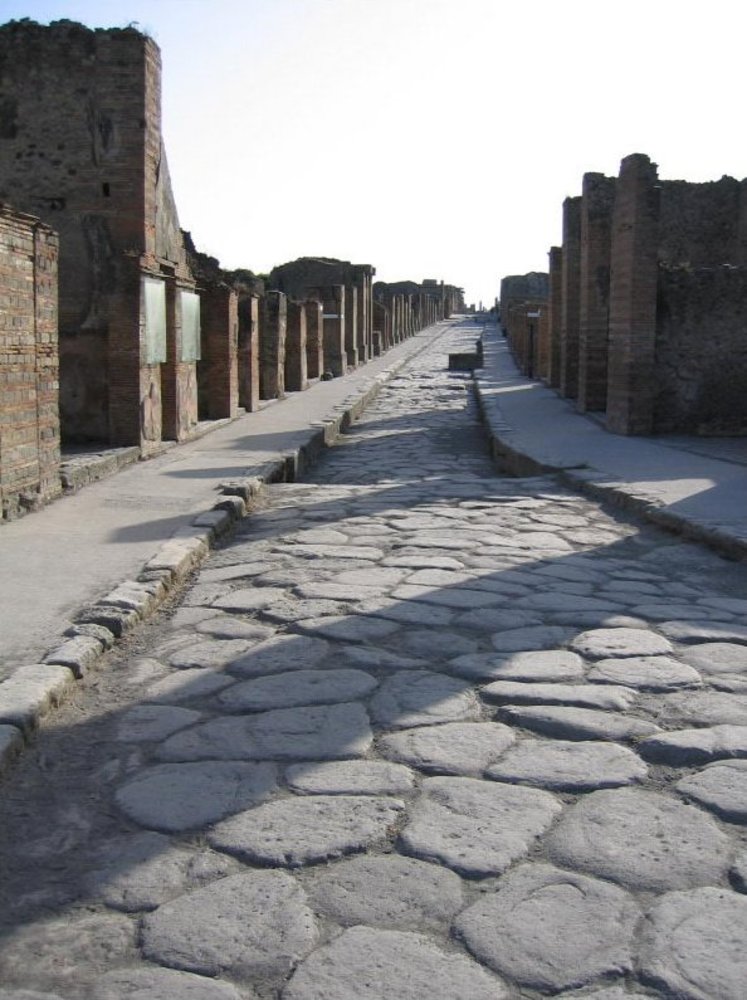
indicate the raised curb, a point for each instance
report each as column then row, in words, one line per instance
column 30, row 692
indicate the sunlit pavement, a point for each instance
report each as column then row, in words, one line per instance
column 418, row 731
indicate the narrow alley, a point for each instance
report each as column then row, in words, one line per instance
column 417, row 731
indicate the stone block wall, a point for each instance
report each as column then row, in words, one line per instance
column 29, row 421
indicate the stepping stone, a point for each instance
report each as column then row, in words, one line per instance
column 569, row 767
column 148, row 983
column 476, row 827
column 372, row 964
column 702, row 708
column 436, row 642
column 183, row 685
column 641, row 839
column 226, row 627
column 350, row 777
column 249, row 925
column 138, row 872
column 703, row 631
column 721, row 787
column 347, row 628
column 248, row 599
column 325, row 732
column 693, row 944
column 646, row 673
column 151, row 723
column 717, row 657
column 604, row 642
column 548, row 929
column 280, row 653
column 688, row 747
column 542, row 665
column 617, row 699
column 68, row 949
column 576, row 723
column 297, row 687
column 386, row 891
column 420, row 698
column 211, row 653
column 302, row 831
column 176, row 797
column 453, row 748
column 532, row 637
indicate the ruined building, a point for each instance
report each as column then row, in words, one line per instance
column 648, row 303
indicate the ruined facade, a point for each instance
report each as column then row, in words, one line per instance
column 404, row 307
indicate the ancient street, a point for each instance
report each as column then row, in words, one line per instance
column 418, row 730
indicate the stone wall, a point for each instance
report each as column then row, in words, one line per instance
column 522, row 288
column 29, row 422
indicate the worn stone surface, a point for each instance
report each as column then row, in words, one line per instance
column 688, row 747
column 548, row 929
column 646, row 673
column 280, row 654
column 641, row 839
column 474, row 827
column 139, row 872
column 616, row 699
column 717, row 657
column 301, row 831
column 187, row 796
column 569, row 767
column 375, row 964
column 721, row 787
column 550, row 665
column 298, row 687
column 576, row 723
column 350, row 777
column 149, row 983
column 185, row 685
column 252, row 924
column 693, row 944
column 386, row 891
column 606, row 642
column 452, row 748
column 210, row 653
column 420, row 698
column 150, row 723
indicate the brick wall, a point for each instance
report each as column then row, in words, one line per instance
column 597, row 203
column 272, row 333
column 29, row 420
column 296, row 377
column 571, row 297
column 218, row 370
column 555, row 312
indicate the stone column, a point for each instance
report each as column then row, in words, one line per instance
column 555, row 308
column 351, row 325
column 333, row 300
column 633, row 286
column 571, row 279
column 220, row 338
column 248, row 351
column 296, row 378
column 314, row 337
column 272, row 332
column 598, row 200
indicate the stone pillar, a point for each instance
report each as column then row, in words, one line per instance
column 363, row 336
column 633, row 286
column 380, row 339
column 598, row 200
column 295, row 348
column 351, row 325
column 248, row 352
column 314, row 337
column 220, row 339
column 179, row 374
column 333, row 300
column 555, row 309
column 272, row 332
column 571, row 280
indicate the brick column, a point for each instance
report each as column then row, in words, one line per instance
column 248, row 352
column 272, row 332
column 295, row 348
column 179, row 374
column 314, row 337
column 381, row 334
column 219, row 316
column 351, row 325
column 362, row 305
column 555, row 308
column 597, row 203
column 633, row 284
column 571, row 283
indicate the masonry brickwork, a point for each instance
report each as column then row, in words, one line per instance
column 597, row 205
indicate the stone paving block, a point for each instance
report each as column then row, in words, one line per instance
column 540, row 665
column 210, row 653
column 420, row 698
column 616, row 699
column 608, row 642
column 476, row 827
column 409, row 612
column 29, row 693
column 78, row 654
column 693, row 944
column 298, row 687
column 459, row 748
column 548, row 929
column 642, row 839
column 569, row 767
column 149, row 983
column 438, row 643
column 703, row 631
column 279, row 654
column 326, row 732
column 248, row 925
column 701, row 708
column 373, row 964
column 302, row 831
column 249, row 599
column 150, row 723
column 717, row 657
column 689, row 747
column 346, row 628
column 738, row 873
column 386, row 891
column 175, row 797
column 720, row 787
column 350, row 777
column 21, row 994
column 576, row 723
column 191, row 682
column 226, row 626
column 532, row 637
column 646, row 673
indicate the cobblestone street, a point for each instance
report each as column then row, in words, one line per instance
column 418, row 731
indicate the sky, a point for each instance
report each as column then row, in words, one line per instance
column 430, row 138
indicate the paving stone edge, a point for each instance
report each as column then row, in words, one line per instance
column 32, row 691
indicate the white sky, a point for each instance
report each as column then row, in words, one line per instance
column 430, row 138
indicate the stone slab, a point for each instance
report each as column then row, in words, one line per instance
column 279, row 654
column 720, row 787
column 420, row 698
column 540, row 665
column 576, row 723
column 563, row 766
column 350, row 777
column 148, row 983
column 616, row 699
column 689, row 747
column 598, row 644
column 458, row 748
column 29, row 693
column 297, row 687
column 646, row 673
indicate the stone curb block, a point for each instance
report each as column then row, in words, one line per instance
column 78, row 654
column 117, row 620
column 98, row 632
column 30, row 692
column 11, row 744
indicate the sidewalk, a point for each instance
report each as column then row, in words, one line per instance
column 692, row 485
column 157, row 514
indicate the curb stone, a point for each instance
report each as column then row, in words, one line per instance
column 29, row 693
